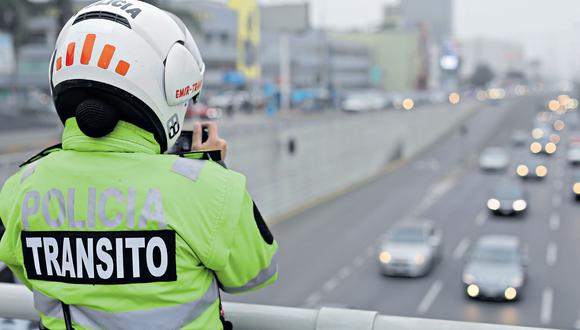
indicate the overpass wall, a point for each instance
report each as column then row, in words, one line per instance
column 291, row 164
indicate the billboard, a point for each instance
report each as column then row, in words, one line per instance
column 248, row 40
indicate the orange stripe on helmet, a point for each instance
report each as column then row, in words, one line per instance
column 106, row 56
column 122, row 68
column 70, row 54
column 58, row 63
column 88, row 48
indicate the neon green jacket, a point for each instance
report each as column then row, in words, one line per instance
column 130, row 238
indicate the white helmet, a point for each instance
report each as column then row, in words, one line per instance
column 140, row 59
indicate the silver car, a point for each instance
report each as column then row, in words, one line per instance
column 494, row 159
column 410, row 249
column 496, row 269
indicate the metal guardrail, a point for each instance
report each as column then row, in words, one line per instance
column 16, row 303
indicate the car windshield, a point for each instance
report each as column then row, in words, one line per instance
column 495, row 254
column 408, row 235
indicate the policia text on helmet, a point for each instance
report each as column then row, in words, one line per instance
column 106, row 229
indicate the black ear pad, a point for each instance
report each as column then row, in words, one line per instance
column 96, row 118
column 69, row 95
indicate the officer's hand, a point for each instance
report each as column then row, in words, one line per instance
column 214, row 142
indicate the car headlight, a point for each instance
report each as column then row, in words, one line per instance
column 550, row 148
column 519, row 205
column 419, row 259
column 510, row 293
column 576, row 188
column 517, row 281
column 472, row 290
column 493, row 204
column 522, row 170
column 541, row 171
column 468, row 278
column 536, row 147
column 385, row 257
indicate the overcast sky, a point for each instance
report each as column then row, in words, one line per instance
column 548, row 29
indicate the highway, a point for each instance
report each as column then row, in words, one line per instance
column 328, row 252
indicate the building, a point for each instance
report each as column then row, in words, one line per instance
column 308, row 58
column 436, row 14
column 293, row 18
column 500, row 56
column 395, row 54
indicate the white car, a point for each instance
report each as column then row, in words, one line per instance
column 410, row 249
column 573, row 155
column 360, row 102
column 494, row 159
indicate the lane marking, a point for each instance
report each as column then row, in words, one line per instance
column 558, row 184
column 551, row 254
column 547, row 301
column 481, row 217
column 313, row 299
column 433, row 195
column 557, row 200
column 577, row 324
column 344, row 272
column 554, row 221
column 370, row 250
column 461, row 248
column 330, row 285
column 358, row 261
column 430, row 297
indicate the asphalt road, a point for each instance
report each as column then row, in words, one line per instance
column 328, row 253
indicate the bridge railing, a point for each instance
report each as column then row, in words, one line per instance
column 16, row 302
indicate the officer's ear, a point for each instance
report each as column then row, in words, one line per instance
column 262, row 227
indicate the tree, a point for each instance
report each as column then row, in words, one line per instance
column 482, row 76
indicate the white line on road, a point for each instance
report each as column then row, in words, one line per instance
column 556, row 200
column 547, row 301
column 358, row 261
column 558, row 184
column 555, row 221
column 430, row 297
column 577, row 324
column 330, row 285
column 344, row 272
column 370, row 250
column 461, row 248
column 551, row 254
column 313, row 299
column 481, row 217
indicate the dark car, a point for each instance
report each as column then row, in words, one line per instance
column 532, row 167
column 508, row 198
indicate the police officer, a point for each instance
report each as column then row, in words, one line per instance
column 107, row 230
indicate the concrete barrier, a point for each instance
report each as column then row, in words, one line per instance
column 291, row 163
